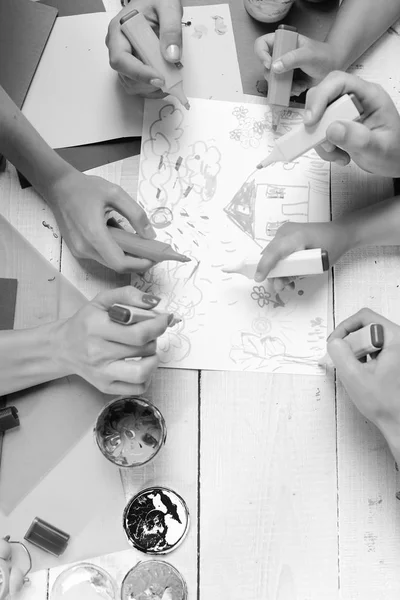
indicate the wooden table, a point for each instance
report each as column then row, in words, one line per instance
column 291, row 491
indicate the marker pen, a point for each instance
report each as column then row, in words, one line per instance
column 280, row 84
column 365, row 341
column 139, row 33
column 303, row 262
column 128, row 315
column 301, row 139
column 133, row 244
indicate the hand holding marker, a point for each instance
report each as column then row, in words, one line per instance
column 304, row 262
column 365, row 341
column 139, row 33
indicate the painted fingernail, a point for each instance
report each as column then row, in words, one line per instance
column 341, row 162
column 150, row 299
column 278, row 66
column 158, row 83
column 149, row 232
column 307, row 115
column 259, row 277
column 174, row 53
column 171, row 318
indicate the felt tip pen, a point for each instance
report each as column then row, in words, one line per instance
column 301, row 263
column 365, row 341
column 153, row 250
column 280, row 84
column 141, row 36
column 129, row 315
column 302, row 139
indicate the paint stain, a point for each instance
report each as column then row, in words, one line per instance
column 199, row 31
column 370, row 539
column 300, row 292
column 220, row 27
column 262, row 87
column 178, row 163
column 187, row 191
column 374, row 501
column 49, row 227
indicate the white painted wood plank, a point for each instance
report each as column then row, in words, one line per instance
column 268, row 509
column 369, row 523
column 36, row 588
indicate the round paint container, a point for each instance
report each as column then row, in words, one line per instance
column 268, row 11
column 130, row 431
column 84, row 581
column 155, row 579
column 156, row 520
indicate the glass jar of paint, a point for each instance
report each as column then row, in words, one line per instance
column 84, row 581
column 130, row 431
column 154, row 579
column 268, row 11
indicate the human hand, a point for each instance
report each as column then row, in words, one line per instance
column 374, row 385
column 95, row 348
column 314, row 59
column 164, row 16
column 374, row 143
column 82, row 206
column 290, row 237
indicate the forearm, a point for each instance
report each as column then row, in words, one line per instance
column 22, row 145
column 30, row 357
column 376, row 225
column 358, row 24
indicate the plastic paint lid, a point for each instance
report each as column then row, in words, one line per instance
column 156, row 520
column 84, row 581
column 155, row 579
column 130, row 431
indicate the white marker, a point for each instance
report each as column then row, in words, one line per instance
column 365, row 341
column 139, row 33
column 301, row 139
column 303, row 262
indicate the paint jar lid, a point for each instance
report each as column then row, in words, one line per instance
column 154, row 579
column 130, row 431
column 156, row 520
column 84, row 581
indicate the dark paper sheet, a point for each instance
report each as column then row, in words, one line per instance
column 24, row 30
column 8, row 300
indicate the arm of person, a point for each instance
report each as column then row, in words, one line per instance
column 358, row 24
column 88, row 344
column 373, row 386
column 81, row 204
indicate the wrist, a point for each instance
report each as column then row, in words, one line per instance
column 389, row 426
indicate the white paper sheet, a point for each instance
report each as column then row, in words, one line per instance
column 76, row 98
column 199, row 185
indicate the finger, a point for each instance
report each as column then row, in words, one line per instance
column 335, row 85
column 363, row 317
column 338, row 156
column 113, row 257
column 119, row 388
column 135, row 214
column 280, row 247
column 138, row 334
column 349, row 369
column 170, row 18
column 137, row 88
column 354, row 138
column 112, row 351
column 263, row 49
column 126, row 295
column 280, row 283
column 328, row 146
column 301, row 58
column 136, row 372
column 129, row 66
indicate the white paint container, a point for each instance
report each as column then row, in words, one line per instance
column 268, row 11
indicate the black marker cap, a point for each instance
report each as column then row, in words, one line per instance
column 325, row 260
column 8, row 418
column 128, row 16
column 46, row 537
column 288, row 28
column 377, row 335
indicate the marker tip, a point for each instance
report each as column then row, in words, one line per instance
column 260, row 166
column 187, row 106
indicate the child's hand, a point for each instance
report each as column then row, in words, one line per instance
column 82, row 205
column 137, row 78
column 373, row 386
column 95, row 348
column 315, row 59
column 290, row 237
column 373, row 143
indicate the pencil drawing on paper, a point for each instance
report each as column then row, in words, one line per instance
column 199, row 185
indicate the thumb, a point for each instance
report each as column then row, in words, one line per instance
column 170, row 18
column 295, row 59
column 348, row 367
column 351, row 137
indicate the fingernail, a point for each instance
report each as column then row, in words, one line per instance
column 171, row 318
column 278, row 66
column 149, row 232
column 259, row 277
column 267, row 64
column 341, row 162
column 158, row 83
column 174, row 53
column 150, row 299
column 307, row 115
column 339, row 132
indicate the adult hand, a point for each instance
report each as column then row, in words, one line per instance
column 373, row 143
column 165, row 16
column 373, row 386
column 95, row 348
column 314, row 59
column 290, row 237
column 82, row 206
